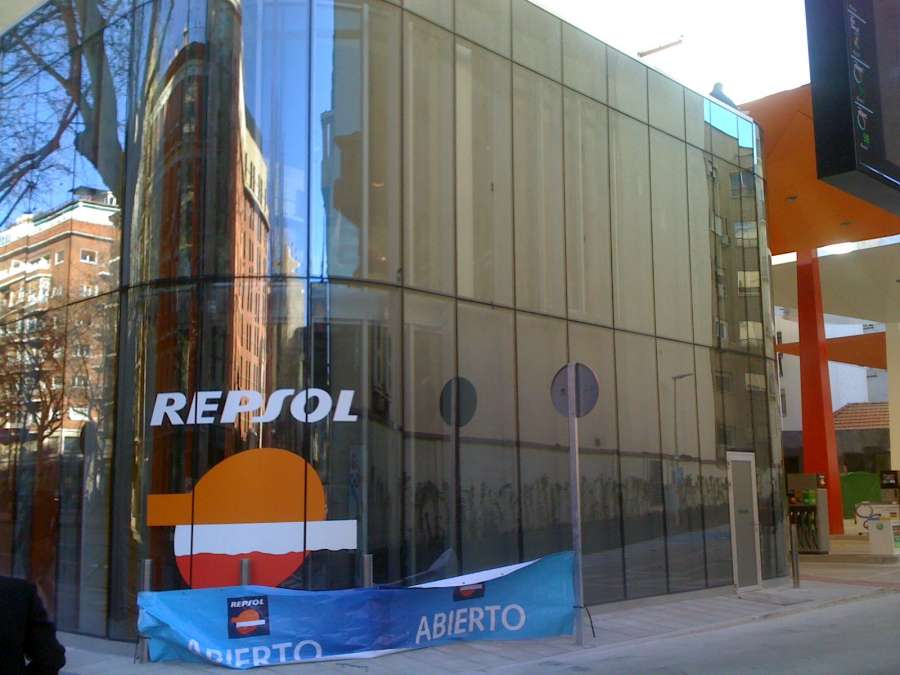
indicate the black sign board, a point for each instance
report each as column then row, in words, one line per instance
column 855, row 77
column 889, row 480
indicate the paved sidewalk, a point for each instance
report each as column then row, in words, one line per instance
column 616, row 624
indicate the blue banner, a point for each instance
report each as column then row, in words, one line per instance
column 247, row 626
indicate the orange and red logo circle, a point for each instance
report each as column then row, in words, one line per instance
column 265, row 505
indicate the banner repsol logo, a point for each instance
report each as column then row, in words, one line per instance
column 306, row 405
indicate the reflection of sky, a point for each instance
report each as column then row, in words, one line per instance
column 336, row 112
column 275, row 58
column 34, row 110
column 323, row 101
column 733, row 125
column 720, row 118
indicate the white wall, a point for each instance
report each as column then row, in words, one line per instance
column 849, row 384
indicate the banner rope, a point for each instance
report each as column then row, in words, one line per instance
column 591, row 618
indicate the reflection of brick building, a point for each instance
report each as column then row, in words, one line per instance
column 62, row 256
column 249, row 299
column 54, row 377
column 192, row 98
column 48, row 260
column 197, row 139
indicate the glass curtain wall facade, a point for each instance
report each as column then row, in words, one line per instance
column 265, row 195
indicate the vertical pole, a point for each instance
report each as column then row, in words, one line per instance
column 575, row 494
column 146, row 585
column 367, row 578
column 795, row 553
column 819, row 441
column 892, row 347
column 245, row 571
column 675, row 412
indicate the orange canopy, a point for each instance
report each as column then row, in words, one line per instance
column 868, row 349
column 803, row 211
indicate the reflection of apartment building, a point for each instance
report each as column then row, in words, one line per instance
column 177, row 163
column 46, row 261
column 738, row 251
column 70, row 253
column 54, row 381
column 249, row 300
column 739, row 258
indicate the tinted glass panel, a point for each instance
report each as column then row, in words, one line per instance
column 487, row 22
column 356, row 142
column 537, row 39
column 543, row 439
column 483, row 175
column 642, row 472
column 428, row 156
column 161, row 346
column 681, row 466
column 713, row 448
column 430, row 443
column 439, row 11
column 276, row 39
column 588, row 253
column 488, row 458
column 33, row 405
column 599, row 463
column 631, row 232
column 540, row 233
column 360, row 464
column 666, row 104
column 86, row 463
column 671, row 247
column 702, row 242
column 627, row 84
column 696, row 127
column 584, row 63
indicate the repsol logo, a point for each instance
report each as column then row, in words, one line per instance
column 247, row 602
column 306, row 405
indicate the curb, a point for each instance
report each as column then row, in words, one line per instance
column 706, row 628
column 850, row 558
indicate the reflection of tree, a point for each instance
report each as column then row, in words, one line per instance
column 62, row 80
column 31, row 368
column 90, row 326
column 32, row 409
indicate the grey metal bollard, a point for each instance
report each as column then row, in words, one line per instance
column 245, row 571
column 795, row 555
column 143, row 647
column 367, row 577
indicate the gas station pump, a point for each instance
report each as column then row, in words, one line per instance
column 808, row 508
column 890, row 491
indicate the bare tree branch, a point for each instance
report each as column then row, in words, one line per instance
column 69, row 84
column 28, row 162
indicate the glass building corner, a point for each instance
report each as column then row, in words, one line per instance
column 200, row 197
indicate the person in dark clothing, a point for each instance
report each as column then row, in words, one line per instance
column 27, row 636
column 719, row 93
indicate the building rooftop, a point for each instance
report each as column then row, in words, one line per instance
column 861, row 416
column 89, row 206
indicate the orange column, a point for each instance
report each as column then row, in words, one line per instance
column 819, row 443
